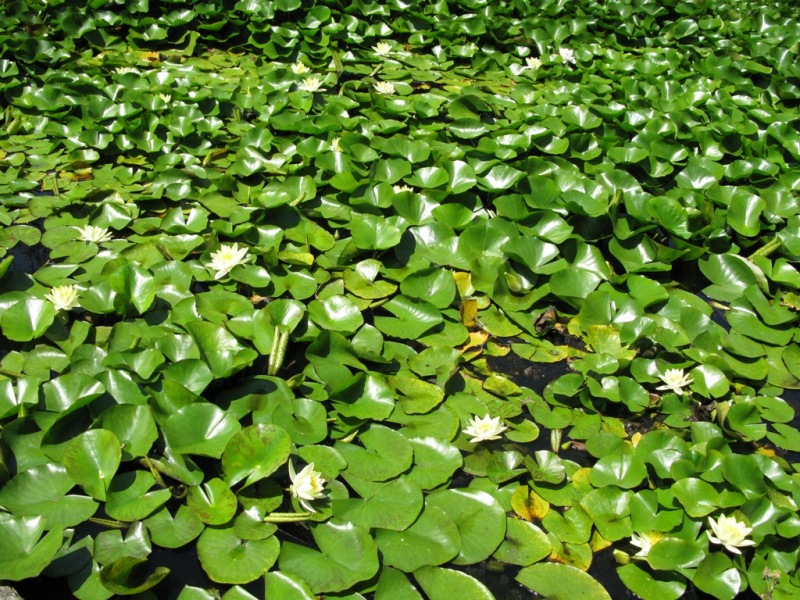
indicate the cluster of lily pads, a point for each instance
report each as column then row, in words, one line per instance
column 379, row 300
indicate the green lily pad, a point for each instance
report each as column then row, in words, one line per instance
column 391, row 505
column 717, row 575
column 698, row 497
column 433, row 539
column 27, row 320
column 384, row 455
column 439, row 584
column 284, row 585
column 524, row 545
column 347, row 555
column 336, row 313
column 435, row 462
column 111, row 546
column 213, row 503
column 201, row 428
column 129, row 576
column 92, row 459
column 226, row 558
column 42, row 491
column 27, row 551
column 620, row 468
column 254, row 453
column 173, row 532
column 652, row 586
column 129, row 497
column 561, row 582
column 481, row 521
column 394, row 585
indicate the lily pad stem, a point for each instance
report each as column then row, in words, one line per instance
column 9, row 373
column 148, row 463
column 768, row 248
column 277, row 517
column 280, row 341
column 377, row 68
column 555, row 440
column 109, row 523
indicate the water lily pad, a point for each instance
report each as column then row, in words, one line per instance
column 480, row 520
column 92, row 459
column 524, row 545
column 390, row 505
column 384, row 455
column 439, row 584
column 28, row 552
column 129, row 497
column 27, row 320
column 254, row 453
column 394, row 585
column 561, row 582
column 42, row 491
column 213, row 503
column 336, row 313
column 129, row 576
column 435, row 462
column 200, row 428
column 620, row 468
column 284, row 585
column 347, row 555
column 652, row 586
column 433, row 539
column 226, row 558
column 698, row 497
column 717, row 575
column 111, row 546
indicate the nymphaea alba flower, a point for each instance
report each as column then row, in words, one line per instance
column 729, row 532
column 299, row 68
column 126, row 70
column 307, row 485
column 674, row 381
column 399, row 189
column 226, row 258
column 90, row 233
column 645, row 542
column 533, row 62
column 485, row 428
column 336, row 144
column 63, row 297
column 567, row 55
column 311, row 84
column 165, row 97
column 384, row 87
column 382, row 49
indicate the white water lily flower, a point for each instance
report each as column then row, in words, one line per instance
column 125, row 70
column 399, row 189
column 567, row 55
column 335, row 147
column 63, row 297
column 307, row 485
column 227, row 257
column 382, row 49
column 311, row 84
column 90, row 233
column 645, row 542
column 674, row 380
column 165, row 97
column 299, row 68
column 384, row 87
column 729, row 532
column 533, row 62
column 484, row 429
